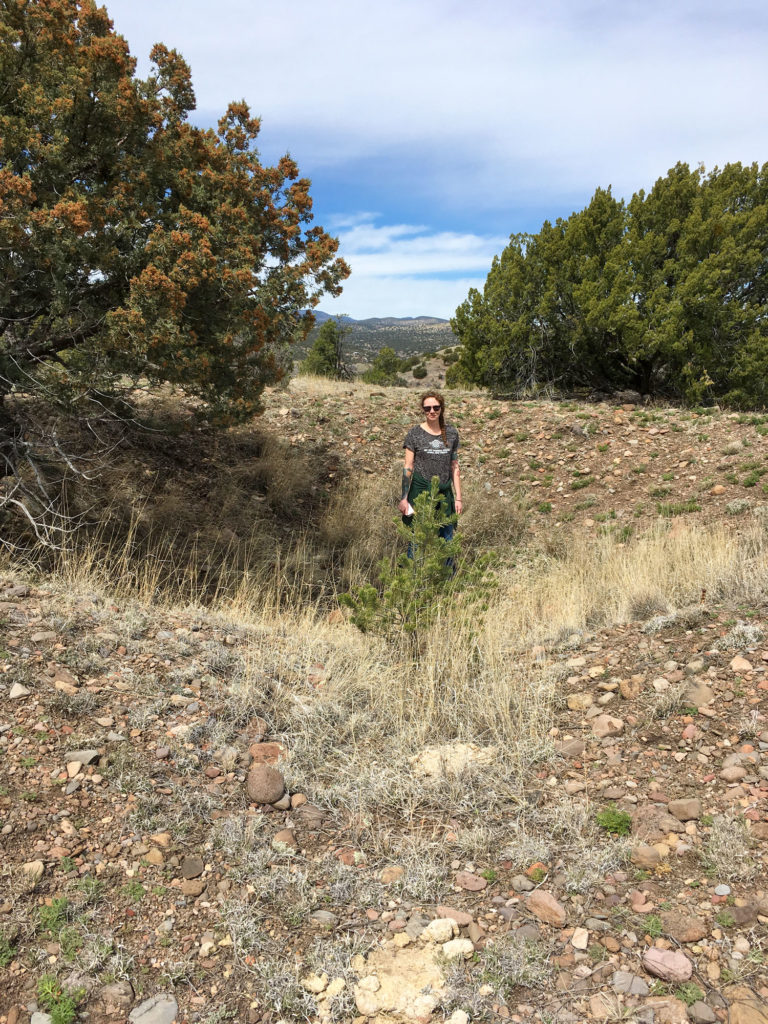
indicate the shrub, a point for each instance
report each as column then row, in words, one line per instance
column 417, row 588
column 420, row 372
column 615, row 821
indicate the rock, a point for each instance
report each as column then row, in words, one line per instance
column 451, row 759
column 40, row 1018
column 652, row 823
column 154, row 857
column 733, row 773
column 717, row 489
column 192, row 867
column 458, row 949
column 160, row 1009
column 574, row 786
column 665, row 1010
column 699, row 694
column 685, row 810
column 265, row 784
column 309, row 816
column 644, row 856
column 722, row 889
column 520, row 883
column 114, row 1000
column 461, row 917
column 631, row 984
column 193, row 886
column 570, row 747
column 439, row 931
column 405, row 983
column 267, row 753
column 390, row 874
column 740, row 664
column 33, row 872
column 286, row 837
column 700, row 1013
column 579, row 701
column 744, row 1006
column 607, row 725
column 315, row 983
column 580, row 938
column 18, row 691
column 458, row 1017
column 544, row 906
column 469, row 881
column 745, row 915
column 683, row 927
column 283, row 804
column 630, row 689
column 83, row 756
column 668, row 965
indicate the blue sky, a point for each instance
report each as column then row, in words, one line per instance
column 433, row 129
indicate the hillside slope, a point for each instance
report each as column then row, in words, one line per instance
column 245, row 809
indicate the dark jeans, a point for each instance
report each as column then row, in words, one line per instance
column 446, row 532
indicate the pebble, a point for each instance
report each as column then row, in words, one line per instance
column 192, row 867
column 546, row 908
column 18, row 691
column 722, row 889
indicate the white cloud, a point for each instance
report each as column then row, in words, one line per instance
column 399, row 268
column 512, row 95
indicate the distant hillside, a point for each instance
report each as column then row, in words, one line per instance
column 406, row 335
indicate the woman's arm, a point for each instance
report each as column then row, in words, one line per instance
column 456, row 480
column 406, row 481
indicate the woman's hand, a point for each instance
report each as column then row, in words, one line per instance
column 403, row 506
column 459, row 506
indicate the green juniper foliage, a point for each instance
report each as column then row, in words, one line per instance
column 415, row 590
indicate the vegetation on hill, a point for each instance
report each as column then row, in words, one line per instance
column 666, row 294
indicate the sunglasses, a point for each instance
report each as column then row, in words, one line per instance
column 431, row 408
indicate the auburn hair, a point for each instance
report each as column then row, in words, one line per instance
column 441, row 400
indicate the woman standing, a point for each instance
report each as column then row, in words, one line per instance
column 431, row 449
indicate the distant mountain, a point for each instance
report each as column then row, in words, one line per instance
column 378, row 321
column 407, row 335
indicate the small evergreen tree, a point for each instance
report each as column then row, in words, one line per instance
column 326, row 357
column 430, row 579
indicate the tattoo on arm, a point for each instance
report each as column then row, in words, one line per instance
column 406, row 483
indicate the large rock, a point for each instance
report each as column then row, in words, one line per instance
column 114, row 1000
column 265, row 784
column 668, row 965
column 544, row 906
column 161, row 1009
column 406, row 982
column 744, row 1006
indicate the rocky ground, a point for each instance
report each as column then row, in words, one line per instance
column 168, row 856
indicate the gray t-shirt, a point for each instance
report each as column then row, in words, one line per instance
column 432, row 455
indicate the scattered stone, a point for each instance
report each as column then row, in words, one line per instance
column 461, row 917
column 315, row 983
column 579, row 701
column 685, row 810
column 324, row 918
column 440, row 930
column 544, row 906
column 33, row 872
column 458, row 949
column 607, row 725
column 160, row 1009
column 193, row 886
column 644, row 856
column 699, row 694
column 265, row 784
column 744, row 1006
column 451, row 759
column 192, row 867
column 154, row 857
column 267, row 753
column 722, row 889
column 630, row 984
column 580, row 938
column 668, row 965
column 38, row 1017
column 570, row 747
column 83, row 756
column 471, row 882
column 683, row 927
column 520, row 883
column 114, row 1000
column 18, row 691
column 390, row 874
column 740, row 664
column 403, row 982
column 286, row 837
column 700, row 1013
